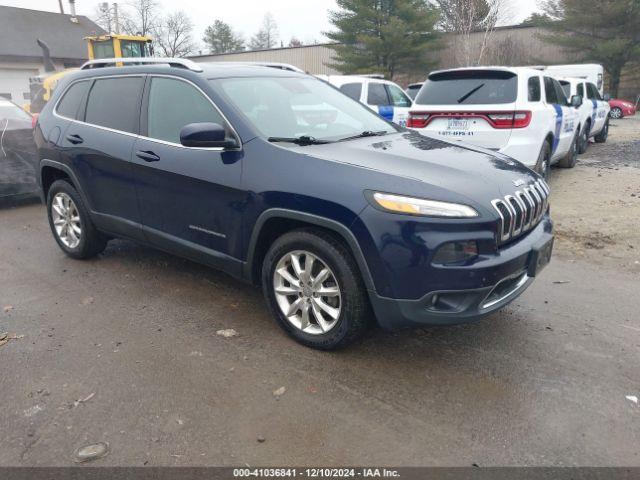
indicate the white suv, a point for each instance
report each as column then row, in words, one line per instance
column 382, row 96
column 520, row 112
column 594, row 112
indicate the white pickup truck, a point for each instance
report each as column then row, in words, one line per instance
column 594, row 112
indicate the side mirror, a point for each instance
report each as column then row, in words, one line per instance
column 607, row 97
column 205, row 135
column 576, row 101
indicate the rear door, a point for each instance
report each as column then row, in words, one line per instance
column 189, row 197
column 98, row 147
column 600, row 110
column 477, row 106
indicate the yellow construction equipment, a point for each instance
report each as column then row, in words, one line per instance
column 98, row 46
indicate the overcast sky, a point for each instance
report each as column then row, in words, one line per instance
column 304, row 19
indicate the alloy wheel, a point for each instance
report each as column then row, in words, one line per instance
column 66, row 220
column 307, row 292
column 616, row 113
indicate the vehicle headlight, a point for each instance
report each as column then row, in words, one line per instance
column 420, row 206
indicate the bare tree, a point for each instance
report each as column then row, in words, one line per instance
column 173, row 35
column 136, row 17
column 139, row 17
column 472, row 18
column 267, row 36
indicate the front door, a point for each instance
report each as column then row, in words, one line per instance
column 190, row 198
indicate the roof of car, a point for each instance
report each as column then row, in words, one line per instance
column 515, row 70
column 207, row 70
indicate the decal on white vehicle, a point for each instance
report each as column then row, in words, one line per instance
column 556, row 137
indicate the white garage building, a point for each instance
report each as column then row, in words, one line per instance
column 21, row 57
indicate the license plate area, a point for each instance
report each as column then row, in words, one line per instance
column 540, row 257
column 458, row 124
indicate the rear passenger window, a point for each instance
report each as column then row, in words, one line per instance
column 115, row 103
column 352, row 90
column 550, row 91
column 174, row 104
column 534, row 89
column 71, row 100
column 377, row 95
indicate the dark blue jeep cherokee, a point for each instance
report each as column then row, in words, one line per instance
column 277, row 178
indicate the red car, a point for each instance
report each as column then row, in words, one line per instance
column 621, row 108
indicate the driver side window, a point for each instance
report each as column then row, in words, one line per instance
column 174, row 104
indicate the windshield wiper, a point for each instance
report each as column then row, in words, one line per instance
column 366, row 133
column 301, row 140
column 464, row 97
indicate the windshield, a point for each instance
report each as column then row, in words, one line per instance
column 469, row 87
column 292, row 107
column 566, row 88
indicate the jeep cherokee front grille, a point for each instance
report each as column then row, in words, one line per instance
column 521, row 211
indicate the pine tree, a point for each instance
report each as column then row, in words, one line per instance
column 602, row 31
column 220, row 38
column 383, row 36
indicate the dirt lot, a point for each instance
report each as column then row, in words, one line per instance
column 123, row 349
column 596, row 205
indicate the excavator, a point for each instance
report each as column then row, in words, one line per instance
column 98, row 46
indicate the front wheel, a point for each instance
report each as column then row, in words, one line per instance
column 604, row 133
column 583, row 141
column 543, row 165
column 313, row 287
column 569, row 161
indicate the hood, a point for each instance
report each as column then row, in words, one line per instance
column 476, row 173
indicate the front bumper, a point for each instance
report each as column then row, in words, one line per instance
column 513, row 270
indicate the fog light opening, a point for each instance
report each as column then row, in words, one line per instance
column 453, row 253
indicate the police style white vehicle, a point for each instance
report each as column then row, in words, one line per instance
column 520, row 112
column 382, row 96
column 594, row 112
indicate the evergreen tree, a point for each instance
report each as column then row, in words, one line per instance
column 383, row 36
column 602, row 31
column 220, row 38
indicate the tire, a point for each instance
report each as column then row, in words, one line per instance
column 569, row 161
column 583, row 140
column 543, row 165
column 74, row 231
column 616, row 113
column 350, row 306
column 604, row 133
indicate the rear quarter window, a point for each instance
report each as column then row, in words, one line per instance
column 469, row 87
column 534, row 89
column 69, row 104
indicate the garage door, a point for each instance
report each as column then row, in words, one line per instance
column 14, row 84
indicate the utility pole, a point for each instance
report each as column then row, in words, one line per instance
column 61, row 7
column 116, row 20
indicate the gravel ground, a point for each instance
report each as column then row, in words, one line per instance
column 596, row 205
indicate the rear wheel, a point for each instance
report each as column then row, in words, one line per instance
column 604, row 133
column 70, row 222
column 616, row 113
column 543, row 166
column 313, row 288
column 569, row 161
